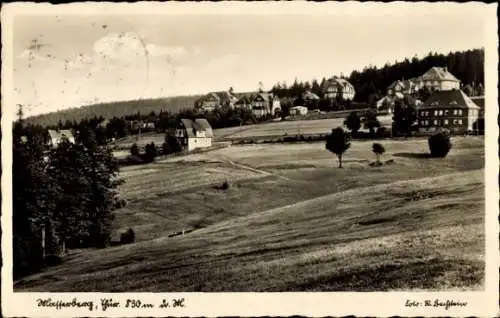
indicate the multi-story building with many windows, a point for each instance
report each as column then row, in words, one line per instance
column 450, row 109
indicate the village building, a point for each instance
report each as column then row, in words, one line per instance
column 215, row 100
column 264, row 104
column 338, row 87
column 400, row 88
column 310, row 99
column 194, row 134
column 438, row 78
column 450, row 109
column 56, row 136
column 298, row 110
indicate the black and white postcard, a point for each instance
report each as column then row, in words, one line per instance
column 249, row 159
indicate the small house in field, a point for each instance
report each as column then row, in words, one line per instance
column 194, row 134
column 450, row 109
column 298, row 110
column 56, row 136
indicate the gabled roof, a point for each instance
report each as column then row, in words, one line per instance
column 449, row 99
column 439, row 74
column 199, row 124
column 337, row 81
column 479, row 101
column 308, row 95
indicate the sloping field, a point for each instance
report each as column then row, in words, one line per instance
column 292, row 221
column 376, row 238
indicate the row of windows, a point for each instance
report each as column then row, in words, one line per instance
column 334, row 89
column 437, row 122
column 441, row 112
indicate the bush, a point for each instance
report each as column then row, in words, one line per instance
column 127, row 237
column 134, row 150
column 225, row 185
column 150, row 152
column 439, row 144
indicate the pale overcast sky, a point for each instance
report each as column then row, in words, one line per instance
column 64, row 60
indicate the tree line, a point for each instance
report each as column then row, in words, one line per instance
column 63, row 197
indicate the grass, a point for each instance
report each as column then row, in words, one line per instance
column 292, row 221
column 273, row 129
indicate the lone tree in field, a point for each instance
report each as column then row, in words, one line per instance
column 353, row 122
column 440, row 144
column 378, row 150
column 134, row 150
column 338, row 142
column 150, row 152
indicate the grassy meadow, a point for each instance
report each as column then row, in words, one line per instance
column 292, row 221
column 258, row 131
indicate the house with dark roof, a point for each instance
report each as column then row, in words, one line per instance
column 214, row 100
column 400, row 88
column 264, row 104
column 450, row 109
column 56, row 136
column 194, row 134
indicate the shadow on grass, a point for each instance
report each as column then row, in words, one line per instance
column 414, row 155
column 420, row 274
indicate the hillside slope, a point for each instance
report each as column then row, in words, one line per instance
column 418, row 234
column 118, row 109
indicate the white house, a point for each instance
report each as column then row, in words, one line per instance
column 56, row 136
column 338, row 87
column 195, row 133
column 438, row 78
column 298, row 110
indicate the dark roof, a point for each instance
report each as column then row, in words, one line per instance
column 308, row 95
column 479, row 100
column 199, row 124
column 449, row 99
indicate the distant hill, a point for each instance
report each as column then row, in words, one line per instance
column 118, row 109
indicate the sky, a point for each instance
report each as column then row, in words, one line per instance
column 69, row 58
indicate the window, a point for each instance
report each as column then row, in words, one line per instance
column 455, row 112
column 446, row 112
column 435, row 122
column 446, row 121
column 441, row 112
column 454, row 102
column 459, row 112
column 422, row 114
column 460, row 122
column 435, row 113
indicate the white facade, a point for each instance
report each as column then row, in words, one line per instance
column 298, row 110
column 199, row 142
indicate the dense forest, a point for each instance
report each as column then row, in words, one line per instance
column 63, row 197
column 370, row 83
column 116, row 109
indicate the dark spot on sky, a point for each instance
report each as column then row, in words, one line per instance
column 104, row 26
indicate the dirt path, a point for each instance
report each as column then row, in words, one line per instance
column 246, row 167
